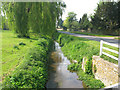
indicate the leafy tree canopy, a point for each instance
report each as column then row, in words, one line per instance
column 69, row 20
column 40, row 17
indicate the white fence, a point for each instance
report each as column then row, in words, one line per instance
column 101, row 49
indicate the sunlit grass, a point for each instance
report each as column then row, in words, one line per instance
column 70, row 48
column 88, row 33
column 91, row 34
column 11, row 56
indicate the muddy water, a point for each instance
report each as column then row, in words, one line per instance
column 59, row 76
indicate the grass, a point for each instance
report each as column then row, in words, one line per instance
column 91, row 34
column 76, row 41
column 11, row 56
column 88, row 33
column 111, row 53
column 75, row 48
column 65, row 39
column 32, row 72
column 89, row 80
column 118, row 38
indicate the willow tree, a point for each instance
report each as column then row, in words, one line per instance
column 44, row 16
column 40, row 17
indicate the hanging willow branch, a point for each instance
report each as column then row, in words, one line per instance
column 40, row 17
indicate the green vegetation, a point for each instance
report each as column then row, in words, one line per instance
column 24, row 57
column 76, row 48
column 91, row 34
column 4, row 23
column 111, row 53
column 74, row 67
column 38, row 17
column 73, row 50
column 32, row 70
column 71, row 22
column 12, row 50
column 89, row 80
column 85, row 23
column 117, row 38
column 103, row 21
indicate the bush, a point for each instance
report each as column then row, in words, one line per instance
column 32, row 72
column 89, row 80
column 74, row 67
column 88, row 67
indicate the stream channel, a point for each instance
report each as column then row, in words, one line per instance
column 59, row 76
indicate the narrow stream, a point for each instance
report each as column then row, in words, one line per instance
column 59, row 76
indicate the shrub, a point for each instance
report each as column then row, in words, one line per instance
column 74, row 67
column 89, row 80
column 88, row 67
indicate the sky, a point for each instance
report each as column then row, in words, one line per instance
column 80, row 7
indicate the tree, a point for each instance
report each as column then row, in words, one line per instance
column 69, row 20
column 80, row 20
column 40, row 17
column 105, row 19
column 75, row 25
column 84, row 23
column 60, row 23
column 4, row 23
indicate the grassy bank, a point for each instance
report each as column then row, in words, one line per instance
column 13, row 50
column 32, row 71
column 24, row 61
column 75, row 48
column 77, row 42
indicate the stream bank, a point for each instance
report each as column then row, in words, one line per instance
column 59, row 76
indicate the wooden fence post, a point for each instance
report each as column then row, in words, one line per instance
column 101, row 45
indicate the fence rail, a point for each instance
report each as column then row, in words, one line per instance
column 101, row 49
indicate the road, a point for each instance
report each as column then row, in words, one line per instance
column 95, row 38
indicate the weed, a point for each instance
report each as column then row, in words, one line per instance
column 16, row 47
column 21, row 43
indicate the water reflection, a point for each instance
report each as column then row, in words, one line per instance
column 59, row 76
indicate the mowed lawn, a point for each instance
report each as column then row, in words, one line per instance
column 12, row 52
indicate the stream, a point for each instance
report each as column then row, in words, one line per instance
column 59, row 76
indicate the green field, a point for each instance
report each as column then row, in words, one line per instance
column 12, row 52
